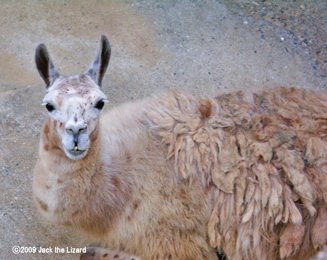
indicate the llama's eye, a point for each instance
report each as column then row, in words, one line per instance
column 50, row 107
column 99, row 105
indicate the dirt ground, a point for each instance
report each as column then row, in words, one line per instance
column 205, row 47
column 305, row 20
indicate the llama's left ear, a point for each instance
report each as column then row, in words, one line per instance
column 44, row 64
column 98, row 67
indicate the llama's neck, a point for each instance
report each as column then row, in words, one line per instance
column 91, row 192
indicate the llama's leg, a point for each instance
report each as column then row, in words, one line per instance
column 98, row 253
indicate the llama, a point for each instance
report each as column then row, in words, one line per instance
column 179, row 177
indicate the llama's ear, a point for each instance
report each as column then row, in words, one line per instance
column 45, row 66
column 99, row 65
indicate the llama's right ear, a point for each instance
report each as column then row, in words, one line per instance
column 98, row 67
column 45, row 66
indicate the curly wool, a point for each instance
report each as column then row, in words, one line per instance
column 265, row 155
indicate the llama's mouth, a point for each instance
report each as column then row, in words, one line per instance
column 76, row 152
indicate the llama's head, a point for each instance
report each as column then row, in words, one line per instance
column 74, row 102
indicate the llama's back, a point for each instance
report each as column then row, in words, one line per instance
column 264, row 155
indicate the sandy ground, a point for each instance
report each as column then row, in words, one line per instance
column 205, row 47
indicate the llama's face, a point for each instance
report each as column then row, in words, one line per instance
column 74, row 102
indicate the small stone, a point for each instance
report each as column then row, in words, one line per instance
column 282, row 17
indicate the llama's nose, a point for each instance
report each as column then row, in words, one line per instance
column 75, row 130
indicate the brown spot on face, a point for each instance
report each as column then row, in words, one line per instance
column 54, row 123
column 42, row 205
column 205, row 108
column 129, row 218
column 116, row 256
column 136, row 205
column 59, row 181
column 46, row 134
column 47, row 187
column 105, row 255
column 75, row 213
column 46, row 129
column 46, row 147
column 59, row 100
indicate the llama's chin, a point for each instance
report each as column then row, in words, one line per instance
column 75, row 154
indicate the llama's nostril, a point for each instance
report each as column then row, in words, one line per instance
column 76, row 131
column 82, row 130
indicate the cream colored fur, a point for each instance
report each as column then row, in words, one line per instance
column 150, row 184
column 125, row 194
column 178, row 177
